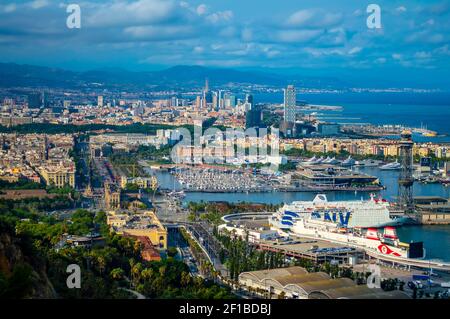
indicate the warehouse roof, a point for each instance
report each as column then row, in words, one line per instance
column 319, row 285
column 275, row 273
column 302, row 278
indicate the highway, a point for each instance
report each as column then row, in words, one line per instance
column 419, row 263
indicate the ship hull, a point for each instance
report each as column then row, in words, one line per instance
column 374, row 245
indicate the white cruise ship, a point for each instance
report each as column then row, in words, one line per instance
column 348, row 214
column 353, row 223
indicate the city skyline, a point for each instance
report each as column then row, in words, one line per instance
column 311, row 38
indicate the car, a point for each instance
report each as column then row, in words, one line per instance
column 418, row 284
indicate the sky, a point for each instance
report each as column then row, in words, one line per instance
column 314, row 38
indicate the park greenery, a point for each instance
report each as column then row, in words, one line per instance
column 47, row 128
column 37, row 268
column 20, row 184
column 240, row 256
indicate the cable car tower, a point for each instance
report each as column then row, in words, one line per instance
column 406, row 180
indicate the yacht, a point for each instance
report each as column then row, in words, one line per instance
column 391, row 166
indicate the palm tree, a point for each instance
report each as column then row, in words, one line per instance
column 117, row 273
column 136, row 273
column 147, row 273
column 101, row 262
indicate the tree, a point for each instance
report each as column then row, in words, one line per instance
column 117, row 273
column 136, row 273
column 185, row 279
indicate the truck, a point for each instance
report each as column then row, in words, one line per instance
column 420, row 277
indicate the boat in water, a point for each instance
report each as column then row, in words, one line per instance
column 315, row 161
column 180, row 194
column 391, row 166
column 353, row 223
column 348, row 162
column 368, row 163
column 332, row 161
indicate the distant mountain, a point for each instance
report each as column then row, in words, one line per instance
column 14, row 75
column 29, row 75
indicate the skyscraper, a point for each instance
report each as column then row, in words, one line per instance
column 290, row 100
column 253, row 118
column 249, row 99
column 198, row 102
column 34, row 100
column 220, row 99
column 215, row 103
column 100, row 101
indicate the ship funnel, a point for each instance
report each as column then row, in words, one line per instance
column 320, row 198
column 390, row 232
column 372, row 233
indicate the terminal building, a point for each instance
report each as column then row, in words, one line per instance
column 297, row 283
column 330, row 175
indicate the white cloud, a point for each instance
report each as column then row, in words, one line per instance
column 313, row 18
column 297, row 35
column 422, row 55
column 9, row 8
column 429, row 22
column 154, row 33
column 444, row 50
column 198, row 49
column 133, row 13
column 271, row 53
column 202, row 9
column 354, row 50
column 220, row 16
column 300, row 17
column 38, row 4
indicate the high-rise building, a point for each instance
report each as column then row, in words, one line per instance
column 100, row 101
column 215, row 101
column 249, row 99
column 253, row 118
column 290, row 99
column 230, row 101
column 44, row 100
column 220, row 99
column 198, row 102
column 34, row 100
column 405, row 179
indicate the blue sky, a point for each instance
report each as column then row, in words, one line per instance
column 312, row 37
